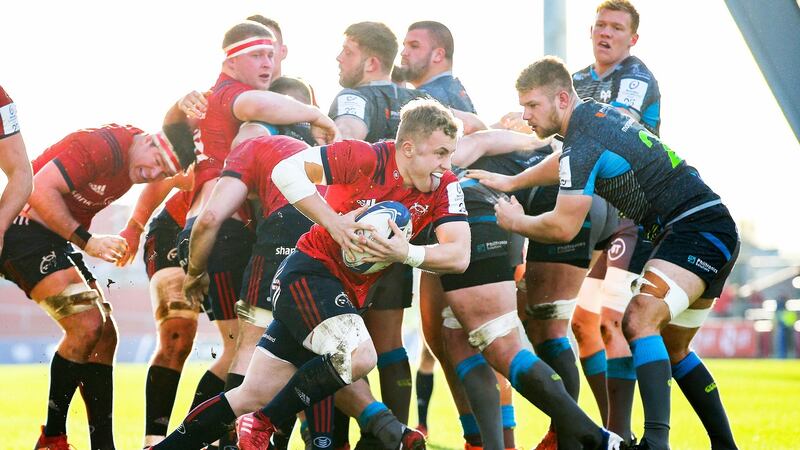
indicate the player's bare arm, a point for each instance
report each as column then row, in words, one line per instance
column 561, row 224
column 542, row 174
column 17, row 168
column 48, row 206
column 281, row 109
column 226, row 198
column 472, row 147
column 152, row 195
column 450, row 255
column 352, row 127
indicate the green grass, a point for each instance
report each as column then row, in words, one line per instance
column 762, row 399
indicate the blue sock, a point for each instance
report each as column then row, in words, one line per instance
column 469, row 426
column 395, row 380
column 701, row 391
column 654, row 374
column 509, row 421
column 594, row 369
column 621, row 383
column 480, row 385
column 371, row 409
column 558, row 354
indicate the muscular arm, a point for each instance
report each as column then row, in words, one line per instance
column 493, row 142
column 451, row 255
column 560, row 225
column 14, row 163
column 352, row 127
column 226, row 198
column 48, row 202
column 472, row 123
column 543, row 174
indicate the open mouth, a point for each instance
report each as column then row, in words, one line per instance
column 604, row 44
column 436, row 178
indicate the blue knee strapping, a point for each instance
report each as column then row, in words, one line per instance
column 621, row 368
column 595, row 364
column 463, row 368
column 371, row 409
column 648, row 349
column 523, row 361
column 686, row 365
column 508, row 416
column 469, row 425
column 392, row 357
column 551, row 348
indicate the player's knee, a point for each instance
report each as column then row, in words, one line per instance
column 583, row 328
column 487, row 333
column 610, row 327
column 346, row 339
column 640, row 317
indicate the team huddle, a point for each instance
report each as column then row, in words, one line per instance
column 572, row 215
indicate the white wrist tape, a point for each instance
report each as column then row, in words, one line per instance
column 290, row 175
column 416, row 255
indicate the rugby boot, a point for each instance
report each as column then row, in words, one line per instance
column 412, row 440
column 52, row 442
column 611, row 441
column 255, row 431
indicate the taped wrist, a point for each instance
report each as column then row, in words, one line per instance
column 416, row 255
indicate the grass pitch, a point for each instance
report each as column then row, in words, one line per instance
column 762, row 398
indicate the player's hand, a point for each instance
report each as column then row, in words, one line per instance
column 347, row 232
column 500, row 182
column 195, row 287
column 107, row 247
column 132, row 235
column 508, row 213
column 394, row 249
column 513, row 121
column 194, row 105
column 324, row 130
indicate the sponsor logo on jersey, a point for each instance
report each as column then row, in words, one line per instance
column 632, row 92
column 172, row 254
column 605, row 95
column 455, row 195
column 269, row 338
column 366, row 202
column 99, row 189
column 350, row 104
column 564, row 172
column 9, row 123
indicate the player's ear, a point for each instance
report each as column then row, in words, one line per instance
column 634, row 39
column 438, row 55
column 407, row 147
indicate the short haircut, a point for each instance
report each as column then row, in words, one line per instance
column 245, row 30
column 624, row 6
column 269, row 23
column 421, row 117
column 549, row 72
column 440, row 35
column 375, row 39
column 293, row 87
column 182, row 140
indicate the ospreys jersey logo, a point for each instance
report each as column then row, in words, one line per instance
column 564, row 172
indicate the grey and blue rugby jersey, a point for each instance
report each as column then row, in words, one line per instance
column 609, row 154
column 378, row 104
column 449, row 91
column 629, row 85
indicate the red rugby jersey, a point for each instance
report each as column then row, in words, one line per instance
column 94, row 163
column 359, row 173
column 220, row 126
column 252, row 163
column 9, row 123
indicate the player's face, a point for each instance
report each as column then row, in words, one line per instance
column 416, row 55
column 541, row 112
column 254, row 68
column 148, row 163
column 351, row 64
column 429, row 159
column 612, row 37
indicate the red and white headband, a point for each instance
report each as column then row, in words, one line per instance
column 167, row 151
column 248, row 45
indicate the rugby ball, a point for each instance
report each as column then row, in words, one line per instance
column 378, row 215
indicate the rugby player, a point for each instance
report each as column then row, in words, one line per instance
column 75, row 179
column 696, row 241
